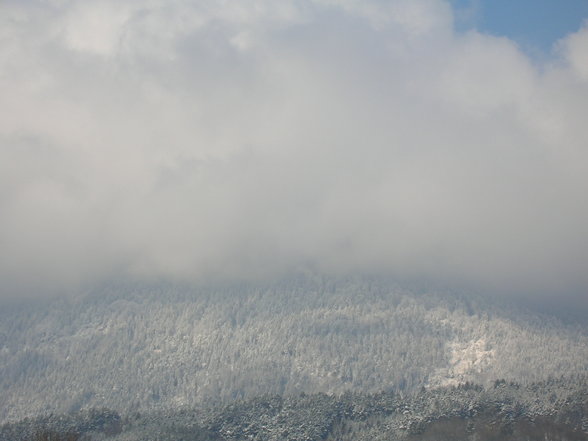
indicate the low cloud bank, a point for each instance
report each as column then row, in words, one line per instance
column 190, row 140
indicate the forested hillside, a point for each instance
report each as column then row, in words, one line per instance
column 556, row 410
column 146, row 348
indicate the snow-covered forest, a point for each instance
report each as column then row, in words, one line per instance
column 550, row 411
column 146, row 348
column 293, row 220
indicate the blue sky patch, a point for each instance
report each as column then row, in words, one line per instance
column 534, row 24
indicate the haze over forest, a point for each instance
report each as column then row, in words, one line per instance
column 314, row 220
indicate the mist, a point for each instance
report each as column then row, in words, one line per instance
column 245, row 140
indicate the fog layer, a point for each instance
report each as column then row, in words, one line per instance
column 226, row 139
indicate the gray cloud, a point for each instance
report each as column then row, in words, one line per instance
column 183, row 139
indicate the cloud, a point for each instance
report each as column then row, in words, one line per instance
column 182, row 139
column 576, row 52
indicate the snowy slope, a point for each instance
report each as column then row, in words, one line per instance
column 137, row 347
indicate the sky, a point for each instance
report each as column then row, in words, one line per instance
column 535, row 25
column 223, row 139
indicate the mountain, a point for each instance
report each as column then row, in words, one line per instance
column 137, row 348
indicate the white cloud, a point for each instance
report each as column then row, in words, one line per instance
column 96, row 27
column 576, row 51
column 218, row 138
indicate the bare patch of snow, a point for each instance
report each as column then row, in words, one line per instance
column 467, row 359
